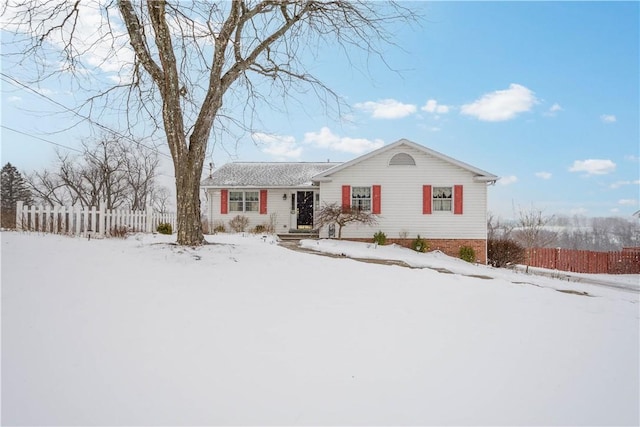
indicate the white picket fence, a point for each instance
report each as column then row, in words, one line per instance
column 79, row 221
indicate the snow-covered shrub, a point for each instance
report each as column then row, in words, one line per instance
column 380, row 238
column 419, row 244
column 263, row 228
column 504, row 252
column 219, row 227
column 239, row 223
column 467, row 253
column 118, row 231
column 164, row 228
column 259, row 229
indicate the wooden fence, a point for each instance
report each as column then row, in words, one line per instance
column 626, row 261
column 79, row 221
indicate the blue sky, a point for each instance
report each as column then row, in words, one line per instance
column 543, row 94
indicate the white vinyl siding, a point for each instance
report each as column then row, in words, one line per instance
column 402, row 203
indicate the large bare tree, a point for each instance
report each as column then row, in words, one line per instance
column 189, row 58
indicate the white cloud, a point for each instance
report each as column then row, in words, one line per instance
column 628, row 202
column 281, row 147
column 502, row 104
column 543, row 175
column 432, row 106
column 386, row 109
column 551, row 112
column 593, row 166
column 632, row 158
column 508, row 180
column 619, row 184
column 327, row 139
column 608, row 118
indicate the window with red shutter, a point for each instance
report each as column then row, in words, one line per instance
column 376, row 199
column 346, row 196
column 426, row 199
column 263, row 202
column 457, row 199
column 224, row 201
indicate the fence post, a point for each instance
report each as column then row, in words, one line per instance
column 19, row 216
column 102, row 218
column 149, row 220
column 32, row 218
column 46, row 213
column 77, row 216
column 54, row 224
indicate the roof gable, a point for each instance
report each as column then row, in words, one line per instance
column 479, row 174
column 266, row 174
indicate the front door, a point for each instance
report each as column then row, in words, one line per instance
column 304, row 206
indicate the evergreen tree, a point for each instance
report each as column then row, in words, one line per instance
column 14, row 189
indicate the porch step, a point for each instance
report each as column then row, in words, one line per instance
column 298, row 235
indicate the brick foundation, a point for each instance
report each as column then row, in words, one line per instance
column 450, row 247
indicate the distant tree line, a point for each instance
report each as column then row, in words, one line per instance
column 532, row 228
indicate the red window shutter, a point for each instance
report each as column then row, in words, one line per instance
column 457, row 199
column 346, row 196
column 224, row 201
column 263, row 202
column 376, row 199
column 426, row 199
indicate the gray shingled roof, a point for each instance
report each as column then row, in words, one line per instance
column 250, row 174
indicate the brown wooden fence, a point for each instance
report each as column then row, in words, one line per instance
column 626, row 261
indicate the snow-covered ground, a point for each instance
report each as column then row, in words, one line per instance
column 244, row 331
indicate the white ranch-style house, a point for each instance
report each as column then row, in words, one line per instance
column 411, row 189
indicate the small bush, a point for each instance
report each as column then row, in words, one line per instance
column 419, row 244
column 120, row 232
column 380, row 238
column 239, row 223
column 219, row 227
column 467, row 253
column 260, row 228
column 504, row 252
column 164, row 228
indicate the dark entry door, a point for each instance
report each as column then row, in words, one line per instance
column 304, row 206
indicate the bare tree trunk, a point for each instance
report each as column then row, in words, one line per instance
column 188, row 203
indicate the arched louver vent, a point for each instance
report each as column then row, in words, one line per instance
column 402, row 159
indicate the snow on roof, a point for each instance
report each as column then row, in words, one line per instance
column 265, row 174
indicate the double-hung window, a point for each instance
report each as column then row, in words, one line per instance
column 361, row 198
column 442, row 198
column 244, row 201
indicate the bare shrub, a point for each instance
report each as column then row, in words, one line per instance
column 239, row 223
column 118, row 231
column 205, row 226
column 504, row 252
column 219, row 227
column 343, row 215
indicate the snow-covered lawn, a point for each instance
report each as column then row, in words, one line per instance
column 141, row 332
